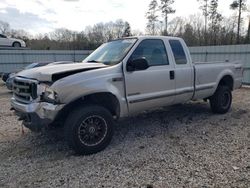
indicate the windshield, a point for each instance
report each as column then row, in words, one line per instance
column 2, row 36
column 32, row 65
column 112, row 52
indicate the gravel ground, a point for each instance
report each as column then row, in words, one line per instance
column 179, row 146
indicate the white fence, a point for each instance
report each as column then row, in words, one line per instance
column 12, row 60
column 224, row 53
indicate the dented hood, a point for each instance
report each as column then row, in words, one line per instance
column 56, row 72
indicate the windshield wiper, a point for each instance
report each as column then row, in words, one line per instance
column 103, row 62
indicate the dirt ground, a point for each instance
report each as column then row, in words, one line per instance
column 177, row 146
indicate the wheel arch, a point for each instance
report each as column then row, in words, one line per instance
column 16, row 42
column 227, row 80
column 104, row 99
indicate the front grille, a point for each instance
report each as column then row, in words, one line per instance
column 24, row 90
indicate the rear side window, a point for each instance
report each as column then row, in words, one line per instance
column 178, row 51
column 153, row 50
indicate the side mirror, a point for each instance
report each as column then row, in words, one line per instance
column 137, row 65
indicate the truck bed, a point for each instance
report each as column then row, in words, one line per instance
column 208, row 75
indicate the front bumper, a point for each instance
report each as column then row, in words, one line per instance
column 36, row 115
column 23, row 44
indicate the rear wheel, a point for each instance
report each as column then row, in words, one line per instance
column 16, row 45
column 89, row 129
column 221, row 101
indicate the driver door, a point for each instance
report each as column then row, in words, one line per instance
column 154, row 86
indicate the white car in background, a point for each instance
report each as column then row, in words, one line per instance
column 6, row 41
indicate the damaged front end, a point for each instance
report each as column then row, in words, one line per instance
column 29, row 107
column 36, row 116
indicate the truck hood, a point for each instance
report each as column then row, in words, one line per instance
column 56, row 72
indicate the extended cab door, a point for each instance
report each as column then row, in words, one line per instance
column 154, row 86
column 184, row 71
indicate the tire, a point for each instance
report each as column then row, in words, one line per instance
column 89, row 129
column 16, row 45
column 221, row 101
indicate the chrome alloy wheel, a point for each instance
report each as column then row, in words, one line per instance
column 92, row 130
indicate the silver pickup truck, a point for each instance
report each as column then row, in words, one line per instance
column 120, row 78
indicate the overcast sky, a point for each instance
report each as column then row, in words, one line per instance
column 40, row 16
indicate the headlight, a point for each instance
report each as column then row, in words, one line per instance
column 48, row 94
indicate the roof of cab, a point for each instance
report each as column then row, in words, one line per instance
column 153, row 37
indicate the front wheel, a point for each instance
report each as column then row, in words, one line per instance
column 16, row 45
column 89, row 129
column 221, row 101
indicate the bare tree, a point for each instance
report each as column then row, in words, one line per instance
column 96, row 34
column 247, row 40
column 127, row 30
column 22, row 34
column 204, row 8
column 136, row 32
column 166, row 9
column 4, row 27
column 62, row 34
column 197, row 23
column 176, row 26
column 215, row 18
column 103, row 32
column 228, row 34
column 152, row 17
column 118, row 28
column 241, row 6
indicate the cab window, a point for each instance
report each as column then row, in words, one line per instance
column 178, row 51
column 153, row 50
column 2, row 36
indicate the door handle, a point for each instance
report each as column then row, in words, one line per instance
column 171, row 75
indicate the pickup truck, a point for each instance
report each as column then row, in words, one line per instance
column 119, row 79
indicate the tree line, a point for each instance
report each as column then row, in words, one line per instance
column 208, row 28
column 65, row 39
